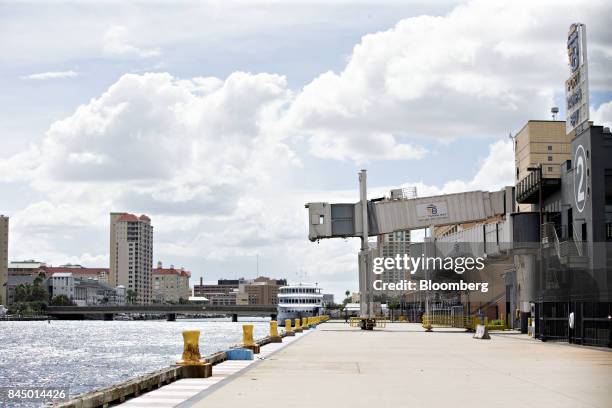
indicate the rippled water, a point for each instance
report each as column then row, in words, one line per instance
column 85, row 355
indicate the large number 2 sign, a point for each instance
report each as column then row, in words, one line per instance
column 580, row 181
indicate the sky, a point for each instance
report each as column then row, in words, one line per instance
column 221, row 119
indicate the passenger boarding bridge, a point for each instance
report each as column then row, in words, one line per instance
column 382, row 216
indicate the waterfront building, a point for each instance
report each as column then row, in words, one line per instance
column 78, row 271
column 170, row 284
column 131, row 254
column 222, row 299
column 207, row 290
column 569, row 275
column 61, row 283
column 4, row 227
column 26, row 268
column 91, row 292
column 262, row 291
column 259, row 291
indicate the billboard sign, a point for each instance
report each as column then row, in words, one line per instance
column 577, row 86
column 432, row 211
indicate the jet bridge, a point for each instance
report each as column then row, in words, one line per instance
column 367, row 218
column 387, row 215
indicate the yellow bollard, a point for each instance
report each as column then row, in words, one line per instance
column 191, row 348
column 247, row 335
column 247, row 338
column 298, row 326
column 274, row 337
column 192, row 365
column 288, row 331
column 305, row 323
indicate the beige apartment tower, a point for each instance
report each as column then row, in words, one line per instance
column 4, row 226
column 131, row 254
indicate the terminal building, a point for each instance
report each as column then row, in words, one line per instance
column 568, row 277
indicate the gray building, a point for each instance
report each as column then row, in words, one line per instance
column 566, row 279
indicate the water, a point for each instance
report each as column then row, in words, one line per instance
column 86, row 355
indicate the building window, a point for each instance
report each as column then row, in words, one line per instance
column 550, row 169
column 549, row 148
column 549, row 158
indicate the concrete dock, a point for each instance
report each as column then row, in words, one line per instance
column 403, row 366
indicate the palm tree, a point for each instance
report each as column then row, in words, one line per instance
column 130, row 296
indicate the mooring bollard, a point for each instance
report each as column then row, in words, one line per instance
column 247, row 338
column 298, row 326
column 288, row 331
column 192, row 365
column 274, row 337
column 305, row 323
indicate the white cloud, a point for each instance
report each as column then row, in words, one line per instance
column 479, row 71
column 117, row 42
column 602, row 116
column 51, row 75
column 197, row 152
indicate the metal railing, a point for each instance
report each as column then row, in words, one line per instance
column 564, row 249
column 550, row 237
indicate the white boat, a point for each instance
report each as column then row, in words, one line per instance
column 298, row 301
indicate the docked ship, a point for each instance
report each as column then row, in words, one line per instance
column 299, row 301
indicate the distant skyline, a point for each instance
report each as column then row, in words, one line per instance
column 221, row 119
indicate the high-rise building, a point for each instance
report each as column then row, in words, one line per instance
column 390, row 245
column 131, row 255
column 4, row 224
column 395, row 243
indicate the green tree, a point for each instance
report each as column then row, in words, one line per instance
column 31, row 293
column 61, row 300
column 131, row 295
column 393, row 304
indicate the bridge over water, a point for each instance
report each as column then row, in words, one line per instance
column 79, row 312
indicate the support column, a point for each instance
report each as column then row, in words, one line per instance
column 171, row 317
column 235, row 317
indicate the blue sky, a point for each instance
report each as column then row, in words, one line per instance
column 221, row 119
